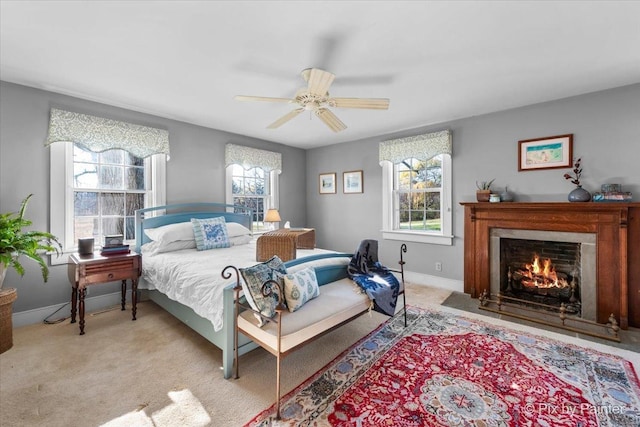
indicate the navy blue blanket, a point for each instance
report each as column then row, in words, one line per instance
column 379, row 283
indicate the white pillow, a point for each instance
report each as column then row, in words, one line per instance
column 239, row 240
column 158, row 247
column 234, row 229
column 171, row 232
column 300, row 287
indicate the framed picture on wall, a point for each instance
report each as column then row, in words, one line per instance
column 545, row 153
column 327, row 183
column 352, row 182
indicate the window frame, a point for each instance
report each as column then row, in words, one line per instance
column 390, row 220
column 62, row 199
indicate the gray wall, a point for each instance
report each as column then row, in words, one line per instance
column 606, row 130
column 194, row 173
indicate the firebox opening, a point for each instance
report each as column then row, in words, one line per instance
column 542, row 272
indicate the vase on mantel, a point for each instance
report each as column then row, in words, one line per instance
column 579, row 194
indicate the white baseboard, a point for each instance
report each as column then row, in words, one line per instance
column 435, row 281
column 37, row 315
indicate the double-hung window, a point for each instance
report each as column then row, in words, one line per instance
column 96, row 193
column 252, row 180
column 417, row 188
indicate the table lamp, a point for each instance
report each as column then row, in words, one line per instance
column 272, row 216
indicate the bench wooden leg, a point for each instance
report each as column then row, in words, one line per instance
column 279, row 357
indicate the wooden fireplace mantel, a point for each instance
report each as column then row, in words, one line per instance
column 615, row 224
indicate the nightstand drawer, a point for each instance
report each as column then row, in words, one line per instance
column 107, row 275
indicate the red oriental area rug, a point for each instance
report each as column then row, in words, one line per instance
column 449, row 370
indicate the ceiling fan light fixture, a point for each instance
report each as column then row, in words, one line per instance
column 315, row 97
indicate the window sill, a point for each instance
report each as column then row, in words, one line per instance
column 408, row 236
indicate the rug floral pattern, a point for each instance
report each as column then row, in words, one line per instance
column 446, row 370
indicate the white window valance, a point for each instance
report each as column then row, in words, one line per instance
column 248, row 158
column 420, row 147
column 99, row 134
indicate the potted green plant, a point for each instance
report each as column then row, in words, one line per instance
column 484, row 190
column 16, row 242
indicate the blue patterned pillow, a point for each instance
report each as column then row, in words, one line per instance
column 210, row 233
column 300, row 287
column 254, row 277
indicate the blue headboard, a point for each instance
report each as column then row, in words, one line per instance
column 171, row 214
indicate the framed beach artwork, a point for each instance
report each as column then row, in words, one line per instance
column 327, row 183
column 352, row 182
column 545, row 153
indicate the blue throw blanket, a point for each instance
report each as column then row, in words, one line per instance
column 379, row 283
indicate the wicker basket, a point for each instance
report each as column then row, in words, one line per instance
column 273, row 243
column 7, row 297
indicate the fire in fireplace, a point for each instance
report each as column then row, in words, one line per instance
column 549, row 280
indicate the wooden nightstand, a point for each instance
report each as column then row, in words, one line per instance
column 95, row 269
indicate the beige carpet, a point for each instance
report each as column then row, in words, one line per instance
column 152, row 372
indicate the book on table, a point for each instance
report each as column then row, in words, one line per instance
column 115, row 250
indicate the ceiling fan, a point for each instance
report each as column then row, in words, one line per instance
column 315, row 98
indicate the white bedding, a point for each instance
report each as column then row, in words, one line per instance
column 193, row 278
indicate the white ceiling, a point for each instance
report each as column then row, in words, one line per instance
column 436, row 61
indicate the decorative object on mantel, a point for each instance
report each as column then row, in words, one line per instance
column 483, row 194
column 612, row 193
column 506, row 195
column 578, row 194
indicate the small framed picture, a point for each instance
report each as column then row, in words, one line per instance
column 352, row 182
column 545, row 153
column 327, row 183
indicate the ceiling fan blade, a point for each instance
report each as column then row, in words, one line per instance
column 261, row 98
column 368, row 103
column 319, row 81
column 330, row 119
column 284, row 119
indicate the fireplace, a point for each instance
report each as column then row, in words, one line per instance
column 606, row 236
column 546, row 268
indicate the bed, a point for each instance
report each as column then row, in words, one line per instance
column 187, row 282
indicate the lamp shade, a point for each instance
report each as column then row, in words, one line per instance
column 272, row 216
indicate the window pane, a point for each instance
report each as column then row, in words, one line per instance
column 404, row 202
column 404, row 219
column 130, row 159
column 84, row 226
column 404, row 180
column 135, row 178
column 249, row 186
column 135, row 201
column 237, row 185
column 81, row 154
column 130, row 222
column 112, row 226
column 112, row 203
column 85, row 175
column 111, row 177
column 433, row 201
column 85, row 203
column 417, row 201
column 113, row 157
column 434, row 222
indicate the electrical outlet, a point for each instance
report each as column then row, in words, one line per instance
column 438, row 266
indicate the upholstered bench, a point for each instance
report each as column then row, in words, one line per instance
column 281, row 331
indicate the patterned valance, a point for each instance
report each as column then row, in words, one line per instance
column 248, row 158
column 421, row 147
column 99, row 134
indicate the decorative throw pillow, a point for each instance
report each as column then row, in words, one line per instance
column 254, row 277
column 210, row 233
column 300, row 287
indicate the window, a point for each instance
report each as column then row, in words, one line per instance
column 250, row 189
column 97, row 194
column 252, row 180
column 417, row 186
column 417, row 189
